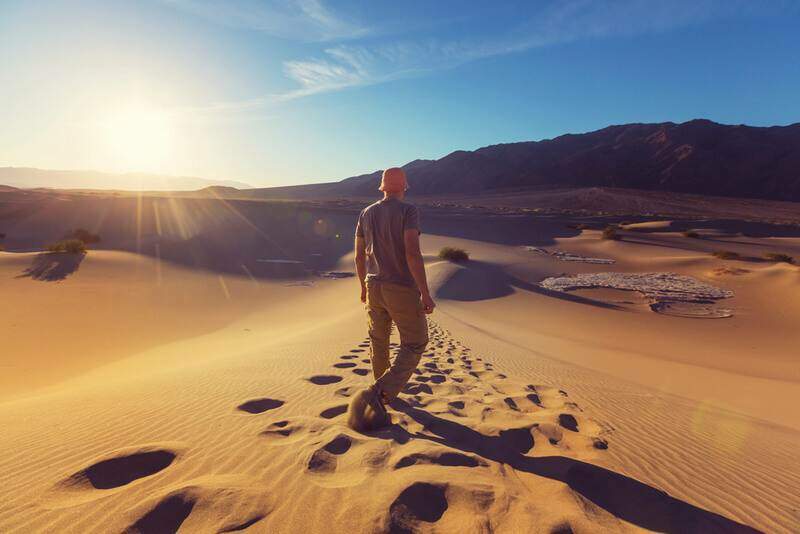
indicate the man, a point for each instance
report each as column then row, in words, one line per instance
column 393, row 286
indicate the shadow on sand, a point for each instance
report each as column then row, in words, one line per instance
column 622, row 496
column 53, row 266
column 478, row 280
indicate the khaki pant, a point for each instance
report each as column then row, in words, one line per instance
column 392, row 302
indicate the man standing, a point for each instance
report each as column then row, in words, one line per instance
column 393, row 286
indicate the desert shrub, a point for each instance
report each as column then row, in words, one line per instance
column 691, row 233
column 778, row 256
column 84, row 235
column 453, row 254
column 726, row 255
column 610, row 232
column 70, row 246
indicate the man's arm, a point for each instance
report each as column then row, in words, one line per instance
column 417, row 267
column 361, row 265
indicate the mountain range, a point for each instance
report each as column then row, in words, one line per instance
column 698, row 156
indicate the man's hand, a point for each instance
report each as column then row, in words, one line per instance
column 427, row 303
column 363, row 293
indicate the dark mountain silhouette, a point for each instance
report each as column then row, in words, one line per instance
column 699, row 156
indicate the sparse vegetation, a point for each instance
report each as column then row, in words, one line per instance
column 610, row 232
column 84, row 235
column 778, row 257
column 70, row 246
column 453, row 254
column 726, row 255
column 691, row 233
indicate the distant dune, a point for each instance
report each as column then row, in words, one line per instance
column 24, row 177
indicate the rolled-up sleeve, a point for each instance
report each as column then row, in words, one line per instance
column 360, row 225
column 411, row 219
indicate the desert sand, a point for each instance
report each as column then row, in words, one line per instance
column 143, row 394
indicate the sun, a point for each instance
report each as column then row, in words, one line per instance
column 138, row 137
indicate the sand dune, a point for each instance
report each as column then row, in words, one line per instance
column 183, row 399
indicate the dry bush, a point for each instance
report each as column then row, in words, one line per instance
column 726, row 255
column 610, row 232
column 779, row 257
column 84, row 235
column 453, row 254
column 70, row 246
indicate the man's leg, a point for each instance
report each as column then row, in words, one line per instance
column 380, row 328
column 405, row 308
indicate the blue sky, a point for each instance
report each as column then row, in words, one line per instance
column 295, row 91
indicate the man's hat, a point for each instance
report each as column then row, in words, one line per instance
column 394, row 180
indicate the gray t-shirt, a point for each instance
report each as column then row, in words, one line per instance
column 382, row 225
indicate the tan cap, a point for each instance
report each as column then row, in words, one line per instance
column 393, row 180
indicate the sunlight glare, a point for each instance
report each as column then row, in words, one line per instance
column 139, row 138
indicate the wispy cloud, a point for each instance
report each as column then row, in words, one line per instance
column 302, row 20
column 369, row 62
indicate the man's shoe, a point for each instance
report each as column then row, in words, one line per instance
column 381, row 417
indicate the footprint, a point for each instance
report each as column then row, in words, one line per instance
column 459, row 405
column 167, row 516
column 323, row 380
column 420, row 502
column 518, row 439
column 339, row 445
column 437, row 379
column 335, row 411
column 279, row 427
column 260, row 405
column 366, row 360
column 121, row 469
column 568, row 421
column 223, row 503
column 345, row 391
column 511, row 404
column 361, row 372
column 344, row 365
column 534, row 398
column 416, row 389
column 348, row 357
column 323, row 460
column 356, row 351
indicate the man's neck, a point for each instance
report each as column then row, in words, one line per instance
column 388, row 196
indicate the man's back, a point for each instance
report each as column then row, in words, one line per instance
column 382, row 225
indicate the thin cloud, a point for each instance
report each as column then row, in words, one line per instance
column 354, row 65
column 346, row 66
